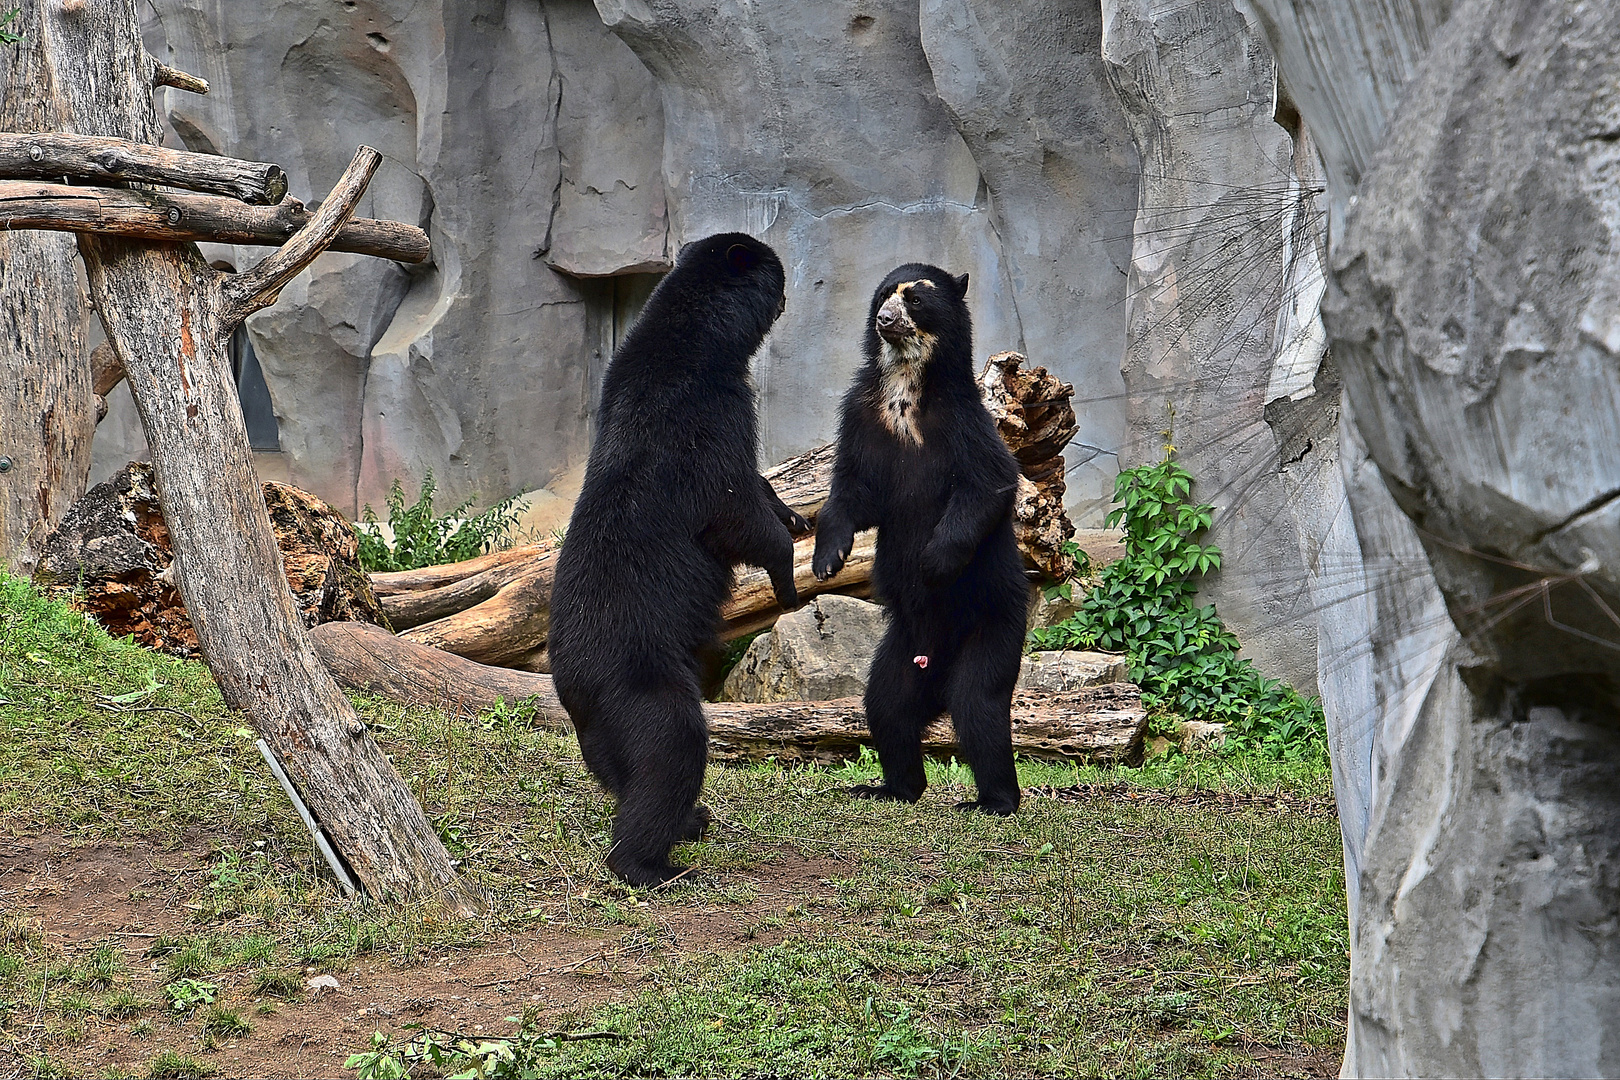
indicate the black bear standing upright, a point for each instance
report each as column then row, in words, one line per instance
column 672, row 500
column 919, row 458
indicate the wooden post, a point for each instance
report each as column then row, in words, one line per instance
column 46, row 417
column 168, row 318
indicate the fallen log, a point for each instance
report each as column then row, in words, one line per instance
column 1099, row 724
column 398, row 582
column 753, row 603
column 507, row 629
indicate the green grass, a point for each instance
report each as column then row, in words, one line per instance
column 1166, row 920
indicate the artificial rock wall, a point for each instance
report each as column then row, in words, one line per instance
column 559, row 152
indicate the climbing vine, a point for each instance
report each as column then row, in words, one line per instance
column 1181, row 654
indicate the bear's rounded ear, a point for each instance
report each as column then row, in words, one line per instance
column 741, row 259
column 961, row 285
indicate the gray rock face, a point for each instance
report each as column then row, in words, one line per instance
column 602, row 138
column 1029, row 92
column 1472, row 324
column 1222, row 220
column 824, row 650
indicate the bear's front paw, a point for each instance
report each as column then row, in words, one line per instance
column 787, row 595
column 796, row 524
column 828, row 562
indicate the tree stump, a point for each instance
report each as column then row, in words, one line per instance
column 1034, row 413
column 112, row 559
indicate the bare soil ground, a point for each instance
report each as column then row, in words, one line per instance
column 127, row 892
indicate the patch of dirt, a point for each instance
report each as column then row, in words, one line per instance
column 1304, row 1061
column 1277, row 802
column 130, row 893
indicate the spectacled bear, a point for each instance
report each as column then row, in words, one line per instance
column 672, row 500
column 919, row 458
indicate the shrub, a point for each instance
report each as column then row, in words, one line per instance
column 422, row 538
column 1182, row 655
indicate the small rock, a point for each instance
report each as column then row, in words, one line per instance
column 322, row 984
column 1157, row 746
column 820, row 652
column 1201, row 735
column 1057, row 672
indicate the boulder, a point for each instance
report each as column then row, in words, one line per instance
column 817, row 653
column 823, row 651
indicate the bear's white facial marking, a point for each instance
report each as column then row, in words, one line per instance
column 905, row 352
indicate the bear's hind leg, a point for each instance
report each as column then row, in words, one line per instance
column 665, row 751
column 899, row 704
column 979, row 696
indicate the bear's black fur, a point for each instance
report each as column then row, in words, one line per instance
column 919, row 458
column 672, row 500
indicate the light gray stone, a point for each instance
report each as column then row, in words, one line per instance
column 1470, row 320
column 816, row 128
column 1027, row 88
column 1057, row 672
column 1220, row 220
column 820, row 652
column 824, row 650
column 1197, row 736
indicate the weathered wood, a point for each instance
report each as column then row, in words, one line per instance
column 53, row 155
column 105, row 370
column 400, row 582
column 112, row 556
column 753, row 603
column 508, row 627
column 46, row 417
column 803, row 482
column 171, row 216
column 161, row 307
column 261, row 286
column 163, row 75
column 1102, row 724
column 1034, row 415
column 408, row 609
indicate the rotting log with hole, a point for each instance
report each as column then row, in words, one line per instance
column 168, row 319
column 1099, row 724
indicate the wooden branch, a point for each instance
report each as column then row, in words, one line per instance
column 1101, row 724
column 177, row 217
column 163, row 75
column 753, row 603
column 259, row 287
column 91, row 157
column 399, row 582
column 106, row 370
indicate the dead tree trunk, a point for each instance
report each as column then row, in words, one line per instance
column 168, row 318
column 46, row 410
column 1100, row 724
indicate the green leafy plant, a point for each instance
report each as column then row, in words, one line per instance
column 187, row 994
column 9, row 36
column 423, row 538
column 1182, row 655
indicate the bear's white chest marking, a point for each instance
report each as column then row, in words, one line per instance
column 900, row 397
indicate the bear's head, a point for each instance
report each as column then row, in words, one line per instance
column 914, row 309
column 741, row 274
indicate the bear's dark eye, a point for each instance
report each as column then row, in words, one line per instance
column 911, row 300
column 741, row 259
